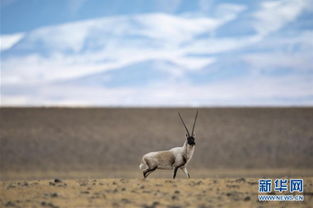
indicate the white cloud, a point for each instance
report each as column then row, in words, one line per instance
column 70, row 36
column 8, row 41
column 282, row 52
column 173, row 29
column 113, row 52
column 256, row 90
column 275, row 14
column 180, row 65
column 298, row 41
column 219, row 45
column 278, row 60
column 193, row 63
column 165, row 30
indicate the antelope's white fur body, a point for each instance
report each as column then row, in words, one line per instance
column 179, row 153
column 177, row 157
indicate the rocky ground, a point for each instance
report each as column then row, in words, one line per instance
column 150, row 193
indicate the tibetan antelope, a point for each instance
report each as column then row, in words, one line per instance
column 177, row 157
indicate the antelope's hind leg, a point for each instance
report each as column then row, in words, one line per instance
column 148, row 171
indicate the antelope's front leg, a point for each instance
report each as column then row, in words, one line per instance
column 185, row 171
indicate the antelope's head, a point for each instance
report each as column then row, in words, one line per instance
column 190, row 137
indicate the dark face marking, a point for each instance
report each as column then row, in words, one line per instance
column 191, row 140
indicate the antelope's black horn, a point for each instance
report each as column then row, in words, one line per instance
column 184, row 124
column 194, row 124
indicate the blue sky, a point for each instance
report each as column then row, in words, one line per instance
column 156, row 53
